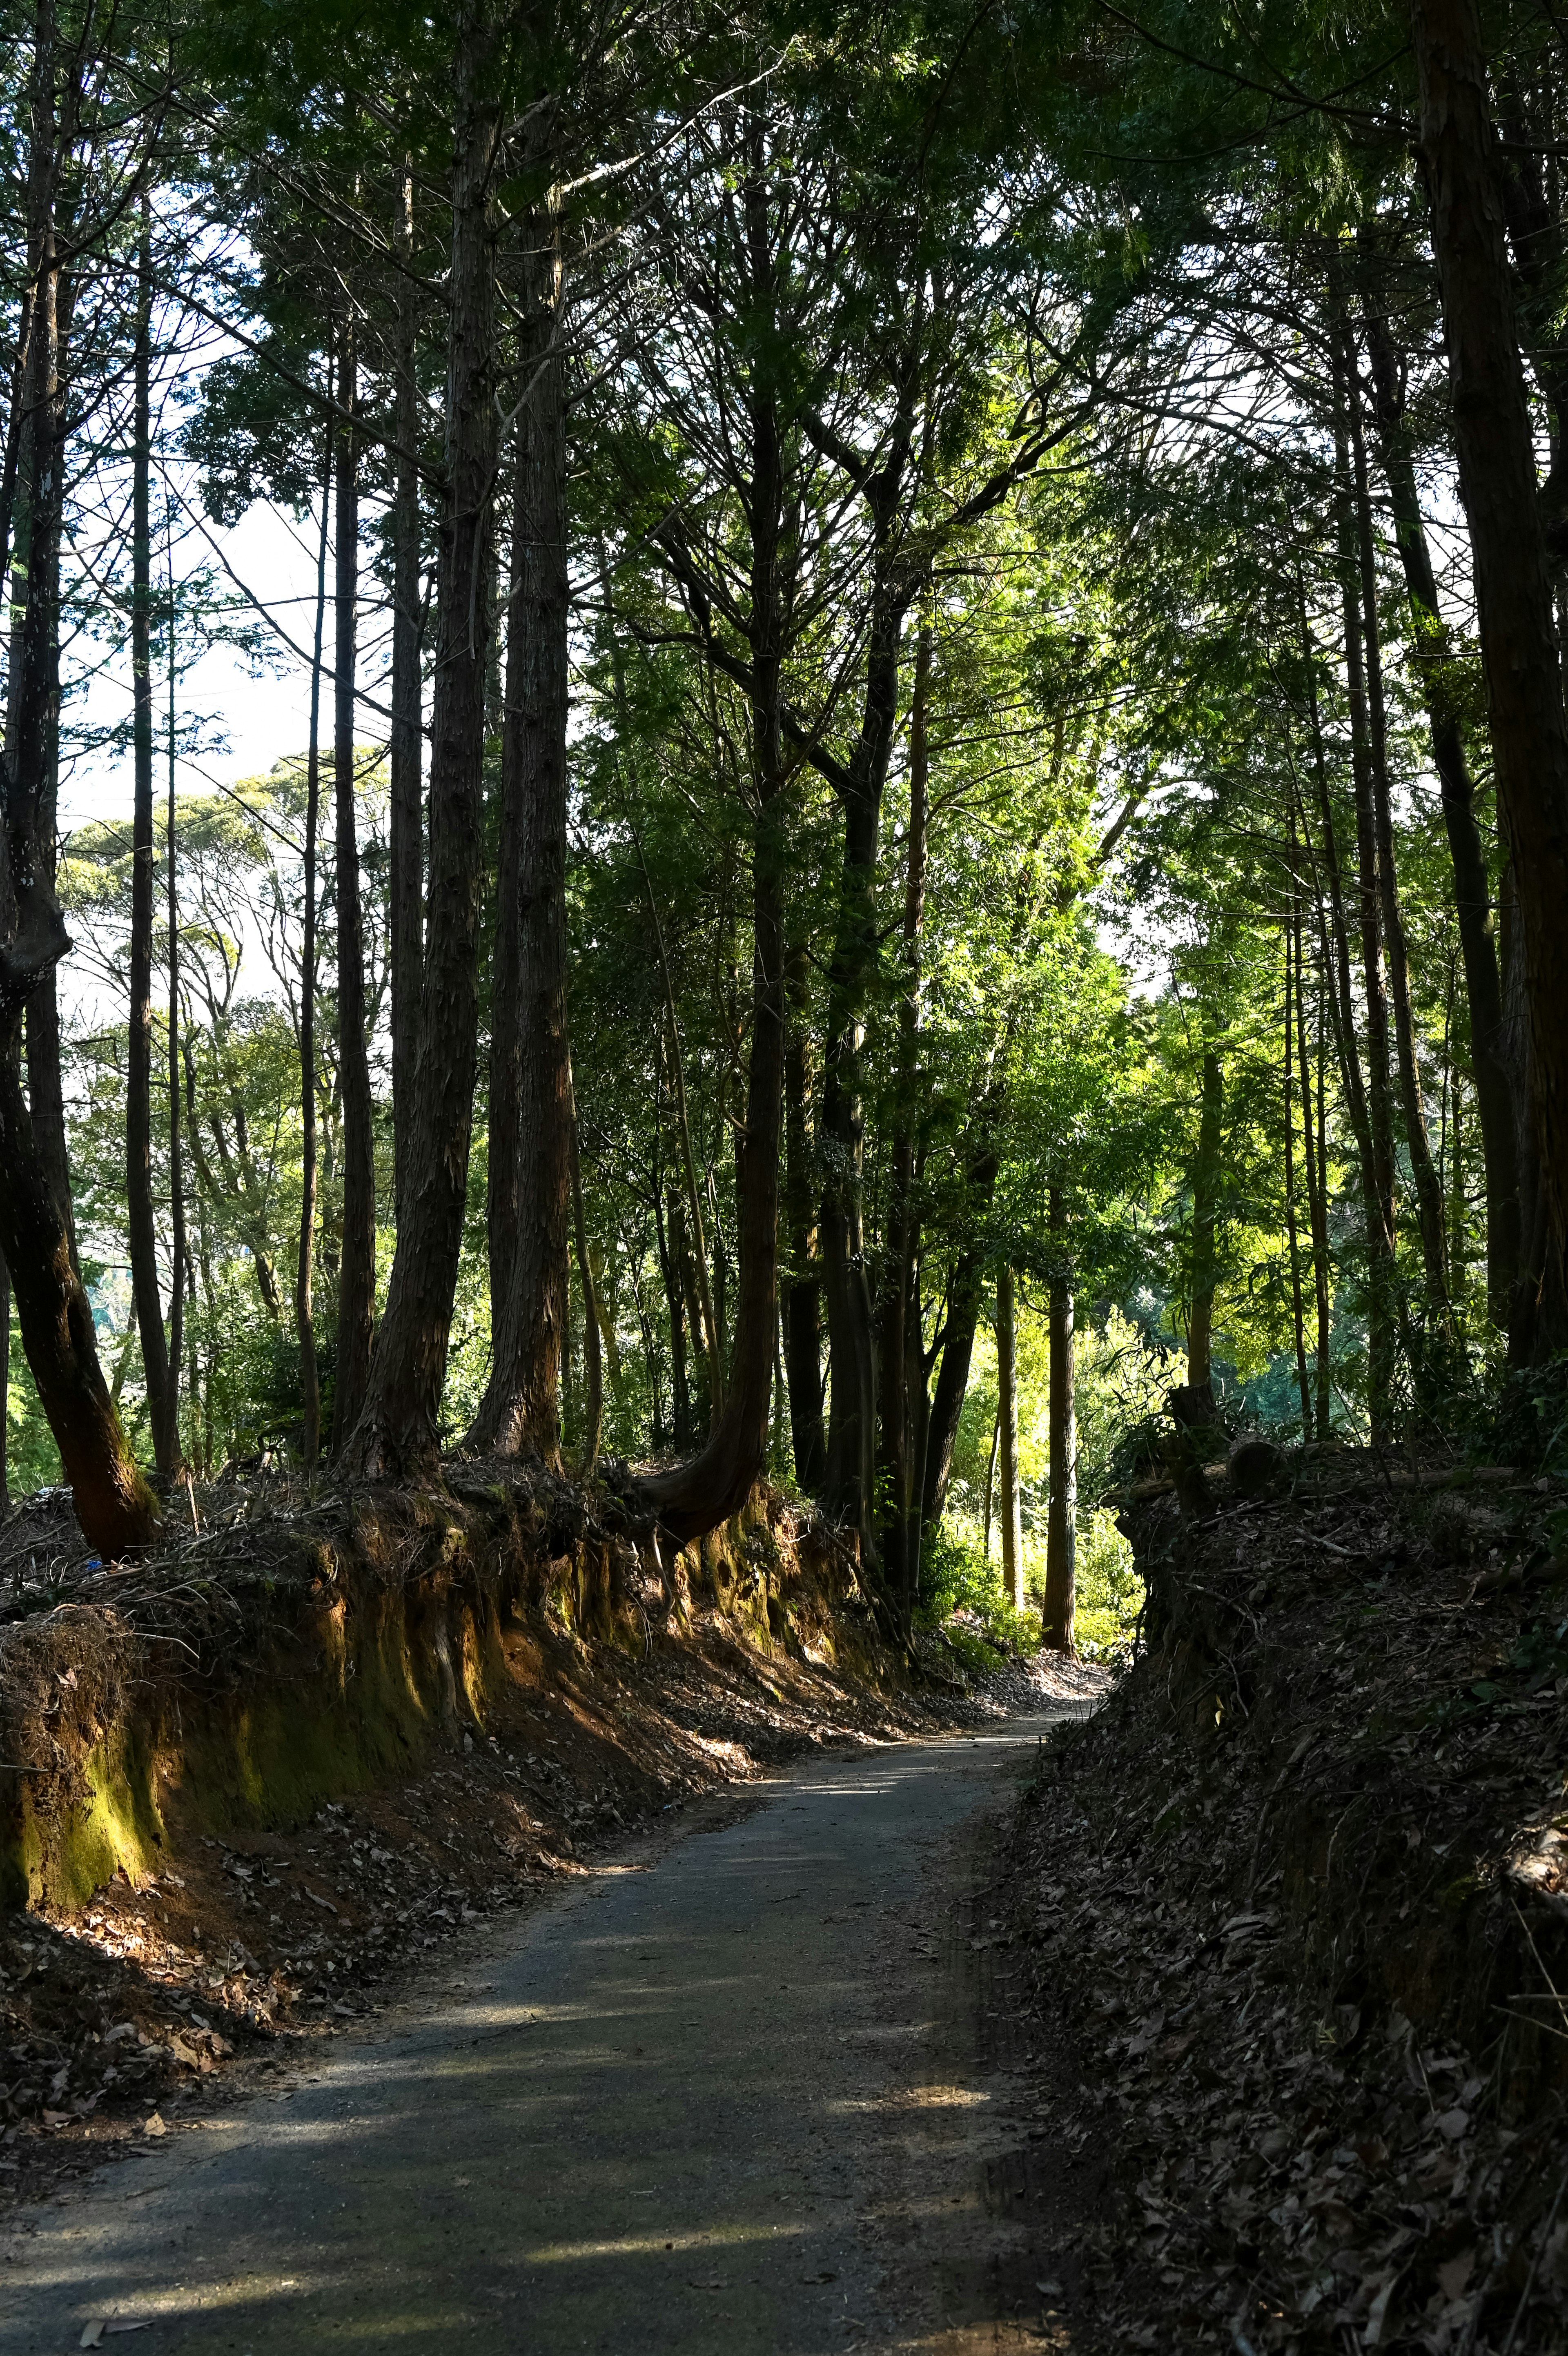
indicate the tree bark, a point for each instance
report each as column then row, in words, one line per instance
column 965, row 1293
column 899, row 1322
column 1428, row 1193
column 802, row 1290
column 141, row 1225
column 1011, row 1514
column 1205, row 1219
column 1292, row 936
column 357, row 1262
column 406, row 817
column 179, row 1254
column 531, row 1192
column 1513, row 592
column 304, row 1261
column 698, row 1496
column 1061, row 1524
column 1430, row 659
column 399, row 1429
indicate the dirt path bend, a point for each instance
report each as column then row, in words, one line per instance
column 726, row 2096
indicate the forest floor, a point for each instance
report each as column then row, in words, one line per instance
column 1292, row 1916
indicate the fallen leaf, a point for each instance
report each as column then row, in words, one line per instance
column 1452, row 2278
column 1453, row 2124
column 154, row 2125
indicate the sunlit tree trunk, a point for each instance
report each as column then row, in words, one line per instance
column 1206, row 1177
column 1009, row 1500
column 1061, row 1525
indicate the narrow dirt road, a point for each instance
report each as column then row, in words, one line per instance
column 726, row 2094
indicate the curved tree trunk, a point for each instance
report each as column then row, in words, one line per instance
column 398, row 1432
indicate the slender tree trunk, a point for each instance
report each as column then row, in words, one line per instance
column 898, row 1324
column 1432, row 662
column 1378, row 1180
column 406, row 818
column 1011, row 1505
column 399, row 1429
column 990, row 1480
column 141, row 1225
column 1428, row 1193
column 1205, row 1219
column 1291, row 932
column 305, row 1262
column 698, row 1496
column 520, row 1413
column 672, row 1254
column 179, row 1253
column 593, row 1361
column 851, row 1427
column 1315, row 1159
column 1061, row 1524
column 802, row 1290
column 965, row 1294
column 357, row 1264
column 1495, row 444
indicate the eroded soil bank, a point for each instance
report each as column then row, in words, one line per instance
column 1293, row 1915
column 247, row 1782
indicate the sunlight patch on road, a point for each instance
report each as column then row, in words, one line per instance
column 658, row 2246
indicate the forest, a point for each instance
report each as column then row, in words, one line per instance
column 935, row 799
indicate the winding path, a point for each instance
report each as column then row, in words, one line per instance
column 724, row 2094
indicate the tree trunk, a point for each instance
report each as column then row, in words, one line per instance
column 406, row 816
column 802, row 1290
column 1428, row 1193
column 1495, row 446
column 698, row 1496
column 178, row 1255
column 1061, row 1525
column 965, row 1293
column 305, row 1263
column 1205, row 1219
column 141, row 1225
column 531, row 1199
column 1430, row 659
column 1378, row 1180
column 1292, row 935
column 898, row 1323
column 357, row 1263
column 1011, row 1514
column 399, row 1429
column 851, row 1427
column 1314, row 1158
column 591, row 1357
